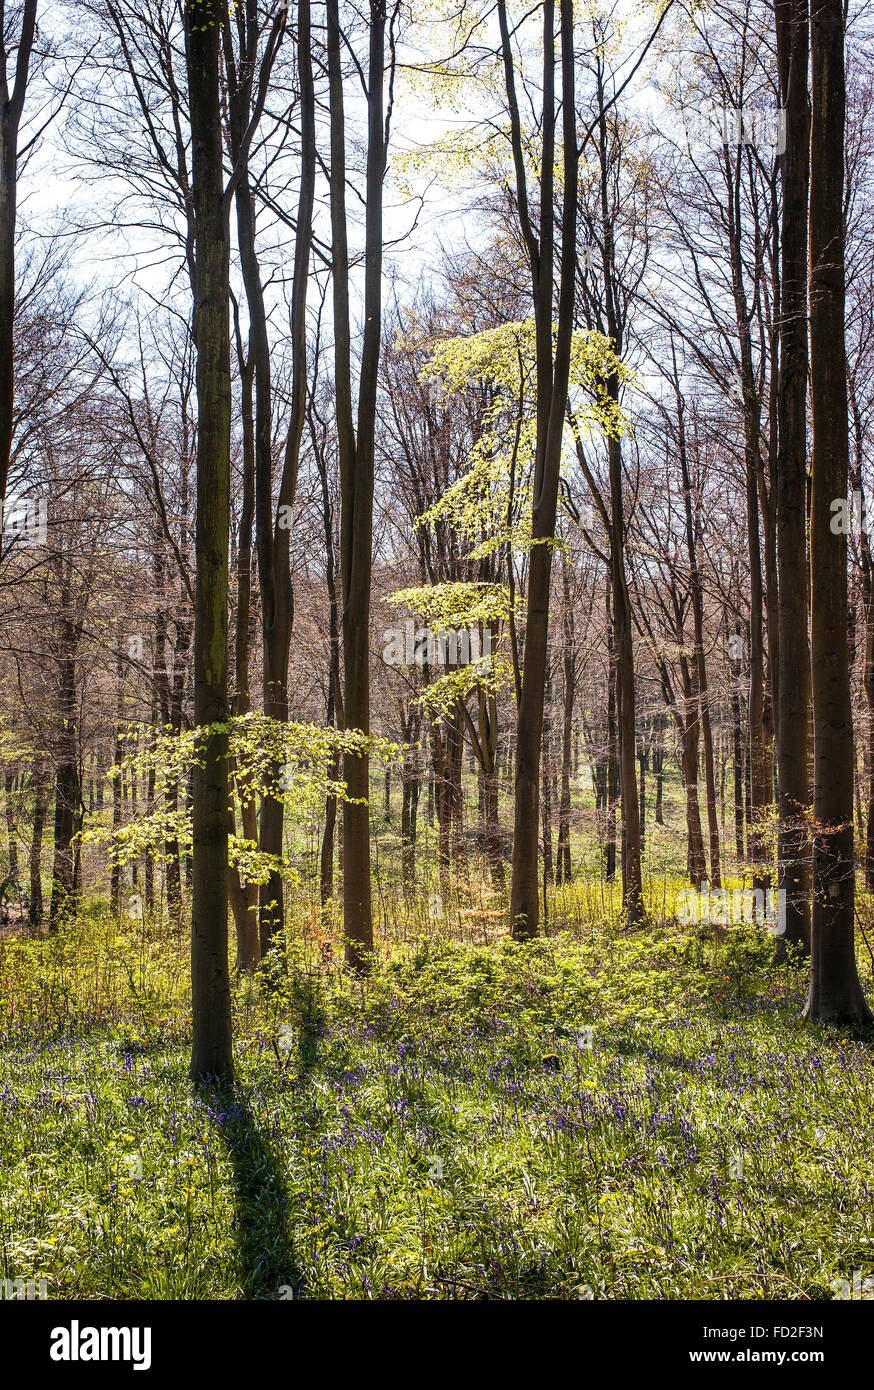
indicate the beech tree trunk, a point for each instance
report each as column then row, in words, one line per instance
column 546, row 790
column 243, row 895
column 356, row 452
column 68, row 790
column 700, row 659
column 632, row 887
column 211, row 1053
column 658, row 763
column 11, row 833
column 612, row 746
column 11, row 109
column 569, row 669
column 552, row 391
column 793, row 698
column 272, row 535
column 737, row 737
column 835, row 995
column 40, row 812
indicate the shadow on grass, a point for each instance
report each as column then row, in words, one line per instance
column 266, row 1259
column 268, row 1266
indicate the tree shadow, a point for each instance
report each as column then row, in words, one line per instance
column 266, row 1259
column 269, row 1268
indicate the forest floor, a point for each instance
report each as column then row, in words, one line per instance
column 609, row 1115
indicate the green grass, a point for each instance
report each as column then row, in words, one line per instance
column 708, row 1144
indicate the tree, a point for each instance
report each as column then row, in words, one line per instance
column 835, row 994
column 355, row 442
column 211, row 1053
column 606, row 304
column 552, row 393
column 11, row 111
column 790, row 484
column 272, row 529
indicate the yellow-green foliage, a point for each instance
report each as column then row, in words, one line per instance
column 452, row 606
column 447, row 606
column 477, row 504
column 287, row 761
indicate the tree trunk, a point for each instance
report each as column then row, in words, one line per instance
column 793, row 703
column 736, row 664
column 696, row 862
column 117, row 755
column 700, row 659
column 759, row 791
column 643, row 763
column 40, row 812
column 149, row 868
column 408, row 828
column 8, row 786
column 244, row 896
column 632, row 883
column 552, row 391
column 867, row 597
column 493, row 832
column 277, row 603
column 11, row 108
column 211, row 1053
column 67, row 787
column 835, row 995
column 612, row 744
column 546, row 789
column 760, row 782
column 569, row 668
column 442, row 806
column 335, row 690
column 357, row 457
